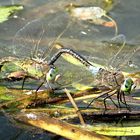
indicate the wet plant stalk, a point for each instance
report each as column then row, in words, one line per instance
column 59, row 127
column 76, row 108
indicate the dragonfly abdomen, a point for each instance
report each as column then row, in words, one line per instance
column 70, row 52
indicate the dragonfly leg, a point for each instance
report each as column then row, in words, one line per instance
column 116, row 80
column 24, row 79
column 105, row 107
column 108, row 96
column 90, row 103
column 118, row 98
column 96, row 99
column 124, row 101
column 38, row 89
column 113, row 102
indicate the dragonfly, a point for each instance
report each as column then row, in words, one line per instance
column 32, row 54
column 115, row 80
column 110, row 71
column 35, row 44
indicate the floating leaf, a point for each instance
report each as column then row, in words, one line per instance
column 92, row 14
column 6, row 11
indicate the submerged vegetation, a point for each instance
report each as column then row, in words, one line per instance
column 59, row 78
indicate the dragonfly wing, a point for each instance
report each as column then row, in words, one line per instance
column 36, row 38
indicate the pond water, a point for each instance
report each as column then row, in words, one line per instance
column 93, row 41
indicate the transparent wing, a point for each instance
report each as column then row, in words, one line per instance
column 37, row 39
column 112, row 54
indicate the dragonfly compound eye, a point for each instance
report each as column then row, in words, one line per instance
column 128, row 85
column 51, row 74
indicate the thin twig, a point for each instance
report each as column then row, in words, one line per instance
column 75, row 106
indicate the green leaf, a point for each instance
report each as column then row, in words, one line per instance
column 116, row 131
column 8, row 68
column 6, row 97
column 6, row 11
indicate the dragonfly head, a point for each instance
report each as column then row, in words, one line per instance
column 51, row 74
column 128, row 85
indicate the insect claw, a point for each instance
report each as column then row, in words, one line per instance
column 24, row 79
column 104, row 111
column 128, row 108
column 105, row 104
column 36, row 95
column 116, row 106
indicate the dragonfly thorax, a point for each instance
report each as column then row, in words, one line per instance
column 39, row 60
column 110, row 78
column 32, row 68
